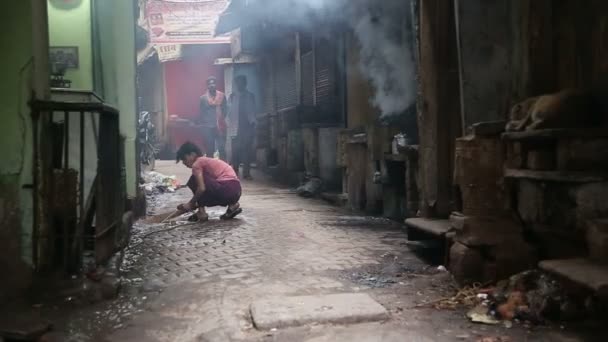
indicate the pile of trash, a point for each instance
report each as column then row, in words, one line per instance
column 157, row 182
column 531, row 297
column 311, row 188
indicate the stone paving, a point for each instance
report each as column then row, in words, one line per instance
column 196, row 282
column 269, row 238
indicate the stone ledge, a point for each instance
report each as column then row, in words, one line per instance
column 554, row 134
column 557, row 176
column 436, row 227
column 583, row 272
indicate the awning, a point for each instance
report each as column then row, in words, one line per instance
column 146, row 53
column 232, row 18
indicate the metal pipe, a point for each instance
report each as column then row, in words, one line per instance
column 66, row 143
column 82, row 162
column 36, row 190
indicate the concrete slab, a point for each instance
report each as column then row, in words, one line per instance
column 346, row 308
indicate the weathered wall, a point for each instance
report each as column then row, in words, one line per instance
column 513, row 49
column 151, row 91
column 72, row 27
column 580, row 35
column 115, row 72
column 15, row 138
column 486, row 44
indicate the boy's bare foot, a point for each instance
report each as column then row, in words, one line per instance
column 200, row 216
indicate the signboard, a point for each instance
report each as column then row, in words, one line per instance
column 184, row 22
column 169, row 52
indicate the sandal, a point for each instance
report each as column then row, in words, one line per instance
column 230, row 214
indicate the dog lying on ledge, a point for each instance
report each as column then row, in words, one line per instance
column 570, row 108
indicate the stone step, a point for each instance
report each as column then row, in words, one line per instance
column 583, row 272
column 344, row 308
column 557, row 176
column 597, row 240
column 435, row 227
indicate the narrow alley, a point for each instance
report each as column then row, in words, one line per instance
column 197, row 282
column 347, row 170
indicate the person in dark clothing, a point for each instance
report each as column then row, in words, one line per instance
column 213, row 111
column 213, row 183
column 241, row 126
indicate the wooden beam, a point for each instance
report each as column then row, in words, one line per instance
column 440, row 116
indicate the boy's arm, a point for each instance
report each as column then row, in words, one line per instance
column 200, row 188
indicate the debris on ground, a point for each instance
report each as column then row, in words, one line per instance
column 465, row 297
column 311, row 188
column 157, row 182
column 480, row 314
column 532, row 296
column 393, row 271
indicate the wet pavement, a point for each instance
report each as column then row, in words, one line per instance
column 195, row 282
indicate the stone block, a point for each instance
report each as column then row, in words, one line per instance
column 591, row 203
column 457, row 221
column 328, row 157
column 597, row 240
column 512, row 256
column 480, row 200
column 478, row 161
column 261, row 158
column 554, row 243
column 582, row 154
column 547, row 203
column 515, row 158
column 466, row 264
column 530, row 201
column 295, row 151
column 487, row 231
column 542, row 159
column 310, row 139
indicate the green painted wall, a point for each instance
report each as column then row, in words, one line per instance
column 117, row 78
column 72, row 27
column 15, row 138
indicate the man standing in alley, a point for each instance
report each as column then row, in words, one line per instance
column 241, row 126
column 213, row 111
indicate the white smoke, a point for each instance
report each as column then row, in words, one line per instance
column 386, row 56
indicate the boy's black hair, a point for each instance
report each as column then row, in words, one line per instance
column 185, row 150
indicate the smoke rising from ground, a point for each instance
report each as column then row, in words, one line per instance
column 384, row 34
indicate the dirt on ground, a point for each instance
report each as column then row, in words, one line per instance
column 194, row 282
